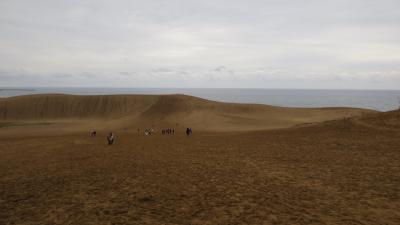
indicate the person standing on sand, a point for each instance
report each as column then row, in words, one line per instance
column 93, row 133
column 188, row 131
column 110, row 138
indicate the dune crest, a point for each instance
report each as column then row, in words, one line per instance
column 133, row 110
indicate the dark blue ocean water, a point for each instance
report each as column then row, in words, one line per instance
column 383, row 100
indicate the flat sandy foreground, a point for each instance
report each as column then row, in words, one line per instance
column 244, row 164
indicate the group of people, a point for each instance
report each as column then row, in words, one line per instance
column 110, row 136
column 147, row 131
column 168, row 131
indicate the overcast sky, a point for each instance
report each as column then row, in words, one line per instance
column 203, row 43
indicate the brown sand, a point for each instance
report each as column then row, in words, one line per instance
column 123, row 111
column 343, row 171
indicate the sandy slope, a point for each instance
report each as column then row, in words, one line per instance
column 169, row 110
column 342, row 171
column 336, row 172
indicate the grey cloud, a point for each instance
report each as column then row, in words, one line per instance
column 186, row 42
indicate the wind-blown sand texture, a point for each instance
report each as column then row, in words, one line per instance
column 321, row 166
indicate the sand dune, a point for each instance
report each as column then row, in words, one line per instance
column 164, row 110
column 385, row 120
column 343, row 171
column 69, row 106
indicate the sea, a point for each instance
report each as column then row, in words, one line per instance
column 381, row 100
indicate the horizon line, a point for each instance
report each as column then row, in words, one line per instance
column 31, row 88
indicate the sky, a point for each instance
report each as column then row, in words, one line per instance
column 322, row 44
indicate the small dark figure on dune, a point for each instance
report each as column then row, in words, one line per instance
column 110, row 138
column 188, row 131
column 93, row 133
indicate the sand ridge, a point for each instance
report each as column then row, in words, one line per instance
column 164, row 110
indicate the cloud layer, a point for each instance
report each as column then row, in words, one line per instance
column 256, row 43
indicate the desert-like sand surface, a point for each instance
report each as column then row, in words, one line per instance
column 243, row 164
